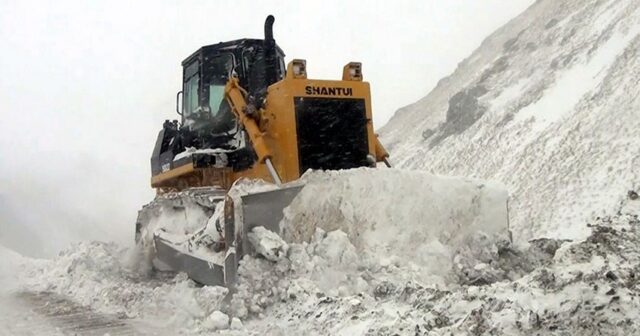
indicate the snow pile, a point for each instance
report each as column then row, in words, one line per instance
column 116, row 281
column 565, row 288
column 245, row 186
column 399, row 216
column 548, row 105
column 326, row 286
column 328, row 263
column 167, row 213
column 356, row 243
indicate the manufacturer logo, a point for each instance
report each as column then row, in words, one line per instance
column 328, row 91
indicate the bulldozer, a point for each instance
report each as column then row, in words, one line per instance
column 245, row 115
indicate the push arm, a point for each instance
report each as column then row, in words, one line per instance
column 235, row 97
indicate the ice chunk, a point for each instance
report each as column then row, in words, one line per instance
column 267, row 243
column 217, row 321
column 236, row 324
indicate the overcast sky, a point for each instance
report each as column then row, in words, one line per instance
column 85, row 86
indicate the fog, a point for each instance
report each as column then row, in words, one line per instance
column 85, row 87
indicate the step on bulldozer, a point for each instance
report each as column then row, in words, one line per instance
column 246, row 115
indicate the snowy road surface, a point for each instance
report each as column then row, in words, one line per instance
column 46, row 313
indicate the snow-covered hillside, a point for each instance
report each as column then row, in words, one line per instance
column 549, row 105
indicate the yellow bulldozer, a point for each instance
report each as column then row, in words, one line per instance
column 245, row 114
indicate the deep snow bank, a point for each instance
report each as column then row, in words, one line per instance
column 586, row 287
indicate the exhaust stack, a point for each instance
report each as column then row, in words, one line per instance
column 271, row 61
column 268, row 29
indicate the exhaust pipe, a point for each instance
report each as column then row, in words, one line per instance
column 271, row 59
column 268, row 29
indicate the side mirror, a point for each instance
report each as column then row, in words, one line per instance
column 178, row 95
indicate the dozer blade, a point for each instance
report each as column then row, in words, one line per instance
column 201, row 270
column 245, row 212
column 164, row 228
column 177, row 248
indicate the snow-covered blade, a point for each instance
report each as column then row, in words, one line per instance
column 199, row 268
column 174, row 233
column 200, row 233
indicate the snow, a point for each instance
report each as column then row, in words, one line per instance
column 217, row 321
column 372, row 207
column 550, row 300
column 9, row 259
column 219, row 153
column 509, row 95
column 337, row 284
column 323, row 266
column 574, row 83
column 236, row 324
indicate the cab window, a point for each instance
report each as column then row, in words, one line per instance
column 216, row 69
column 191, row 85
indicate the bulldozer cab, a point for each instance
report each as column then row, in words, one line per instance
column 229, row 131
column 205, row 73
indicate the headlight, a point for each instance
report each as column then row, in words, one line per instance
column 298, row 68
column 352, row 71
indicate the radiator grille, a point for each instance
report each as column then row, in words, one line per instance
column 332, row 133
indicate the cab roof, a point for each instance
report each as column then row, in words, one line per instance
column 229, row 45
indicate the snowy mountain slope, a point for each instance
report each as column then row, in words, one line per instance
column 549, row 105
